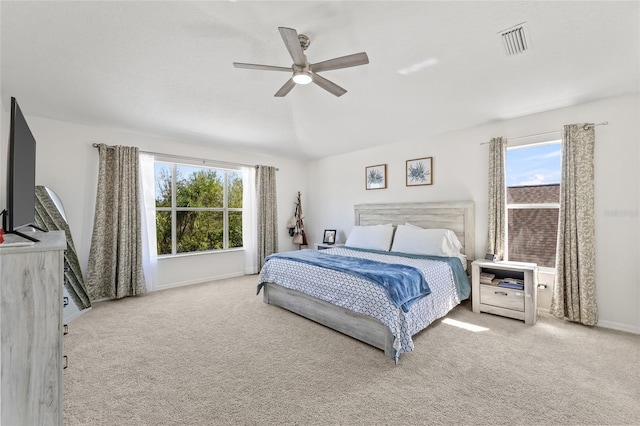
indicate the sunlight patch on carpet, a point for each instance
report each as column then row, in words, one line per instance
column 464, row 325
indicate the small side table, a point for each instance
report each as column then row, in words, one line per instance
column 324, row 246
column 518, row 304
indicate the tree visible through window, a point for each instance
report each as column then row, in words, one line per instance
column 197, row 208
column 533, row 203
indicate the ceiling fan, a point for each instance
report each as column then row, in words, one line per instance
column 303, row 71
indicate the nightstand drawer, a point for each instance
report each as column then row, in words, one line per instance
column 502, row 297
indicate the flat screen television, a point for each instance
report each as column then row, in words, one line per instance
column 21, row 177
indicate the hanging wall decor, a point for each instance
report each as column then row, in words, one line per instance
column 376, row 176
column 420, row 171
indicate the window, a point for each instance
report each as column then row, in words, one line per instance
column 198, row 208
column 533, row 203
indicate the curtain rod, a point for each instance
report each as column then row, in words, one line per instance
column 182, row 157
column 586, row 127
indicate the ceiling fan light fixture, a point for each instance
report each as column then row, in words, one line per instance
column 302, row 77
column 303, row 71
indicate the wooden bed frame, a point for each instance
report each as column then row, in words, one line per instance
column 459, row 216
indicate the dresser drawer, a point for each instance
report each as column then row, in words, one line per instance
column 502, row 297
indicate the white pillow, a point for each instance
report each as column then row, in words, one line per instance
column 454, row 242
column 432, row 242
column 373, row 237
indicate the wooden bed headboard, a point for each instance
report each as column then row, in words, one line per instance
column 459, row 216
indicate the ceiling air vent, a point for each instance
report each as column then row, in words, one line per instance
column 515, row 39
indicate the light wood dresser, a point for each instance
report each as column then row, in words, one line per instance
column 31, row 361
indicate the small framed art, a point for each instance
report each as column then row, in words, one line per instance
column 420, row 171
column 329, row 236
column 376, row 176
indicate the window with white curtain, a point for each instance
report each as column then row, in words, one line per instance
column 533, row 202
column 198, row 208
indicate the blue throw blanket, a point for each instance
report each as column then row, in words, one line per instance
column 460, row 278
column 404, row 284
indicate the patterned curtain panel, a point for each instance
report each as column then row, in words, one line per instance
column 50, row 218
column 497, row 197
column 574, row 294
column 267, row 212
column 115, row 257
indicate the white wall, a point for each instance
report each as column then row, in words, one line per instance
column 459, row 173
column 68, row 164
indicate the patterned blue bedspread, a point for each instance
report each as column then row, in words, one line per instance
column 404, row 284
column 360, row 295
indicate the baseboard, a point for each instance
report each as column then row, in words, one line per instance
column 197, row 281
column 545, row 312
column 76, row 315
column 611, row 325
column 619, row 326
column 182, row 284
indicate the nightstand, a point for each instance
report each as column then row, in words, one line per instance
column 327, row 246
column 507, row 302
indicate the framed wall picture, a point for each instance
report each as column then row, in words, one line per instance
column 376, row 176
column 420, row 171
column 329, row 236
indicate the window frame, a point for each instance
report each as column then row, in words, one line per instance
column 517, row 206
column 174, row 162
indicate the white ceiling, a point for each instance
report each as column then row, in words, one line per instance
column 166, row 67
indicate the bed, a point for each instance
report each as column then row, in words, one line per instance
column 361, row 309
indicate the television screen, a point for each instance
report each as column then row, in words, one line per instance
column 21, row 181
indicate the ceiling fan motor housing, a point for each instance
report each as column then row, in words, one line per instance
column 304, row 41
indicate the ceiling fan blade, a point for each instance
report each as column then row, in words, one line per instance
column 290, row 84
column 261, row 67
column 341, row 62
column 329, row 86
column 291, row 41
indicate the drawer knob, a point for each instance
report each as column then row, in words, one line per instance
column 502, row 293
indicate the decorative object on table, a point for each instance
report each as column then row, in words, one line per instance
column 376, row 177
column 512, row 283
column 420, row 171
column 487, row 278
column 491, row 257
column 329, row 236
column 299, row 236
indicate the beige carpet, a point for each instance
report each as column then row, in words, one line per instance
column 214, row 354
